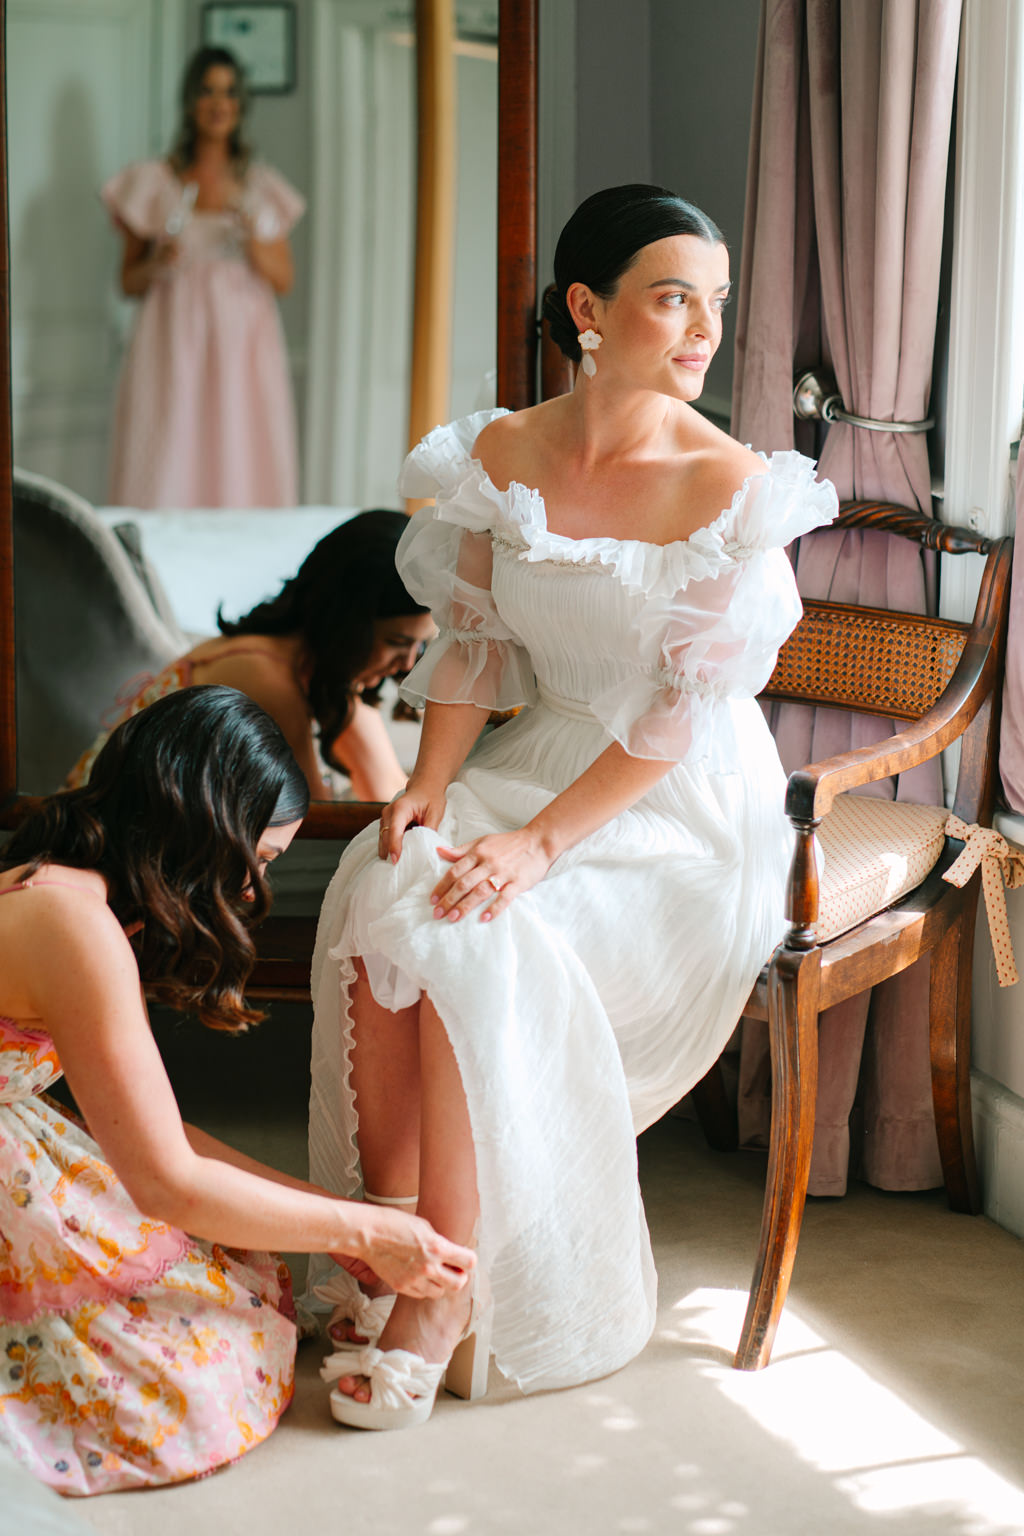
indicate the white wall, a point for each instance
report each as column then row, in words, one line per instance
column 83, row 98
column 983, row 417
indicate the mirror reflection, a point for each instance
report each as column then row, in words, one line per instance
column 91, row 93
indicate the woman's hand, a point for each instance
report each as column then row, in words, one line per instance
column 271, row 260
column 419, row 805
column 496, row 868
column 144, row 262
column 406, row 1254
column 165, row 253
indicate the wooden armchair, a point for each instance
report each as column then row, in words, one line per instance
column 944, row 680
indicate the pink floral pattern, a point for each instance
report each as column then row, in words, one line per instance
column 130, row 1354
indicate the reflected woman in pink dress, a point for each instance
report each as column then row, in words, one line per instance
column 204, row 414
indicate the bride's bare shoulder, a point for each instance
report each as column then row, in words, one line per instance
column 720, row 464
column 511, row 447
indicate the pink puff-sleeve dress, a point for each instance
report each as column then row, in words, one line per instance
column 204, row 414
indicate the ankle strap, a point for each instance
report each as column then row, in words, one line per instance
column 412, row 1200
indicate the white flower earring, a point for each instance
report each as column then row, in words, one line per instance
column 589, row 341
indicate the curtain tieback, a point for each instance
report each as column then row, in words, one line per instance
column 1002, row 868
column 816, row 398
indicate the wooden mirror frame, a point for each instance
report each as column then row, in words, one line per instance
column 516, row 354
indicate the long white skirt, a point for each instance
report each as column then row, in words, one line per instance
column 577, row 1018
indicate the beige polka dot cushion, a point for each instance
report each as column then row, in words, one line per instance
column 875, row 852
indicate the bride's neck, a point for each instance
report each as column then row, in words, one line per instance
column 211, row 155
column 619, row 424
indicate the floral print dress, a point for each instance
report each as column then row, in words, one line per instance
column 130, row 1354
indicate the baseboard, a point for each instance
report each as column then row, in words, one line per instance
column 999, row 1136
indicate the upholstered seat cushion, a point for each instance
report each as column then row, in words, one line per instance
column 875, row 852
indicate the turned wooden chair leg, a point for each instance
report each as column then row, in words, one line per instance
column 793, row 987
column 716, row 1112
column 950, row 1042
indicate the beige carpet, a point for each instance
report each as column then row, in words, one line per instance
column 895, row 1401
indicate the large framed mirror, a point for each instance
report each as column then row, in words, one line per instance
column 154, row 33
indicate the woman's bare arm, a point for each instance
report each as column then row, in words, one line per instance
column 368, row 755
column 205, row 1145
column 142, row 262
column 91, row 1008
column 447, row 734
column 272, row 259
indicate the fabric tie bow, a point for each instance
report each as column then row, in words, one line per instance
column 1002, row 867
column 396, row 1376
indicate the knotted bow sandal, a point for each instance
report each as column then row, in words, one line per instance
column 403, row 1386
column 366, row 1314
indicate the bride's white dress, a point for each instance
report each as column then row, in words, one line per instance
column 602, row 995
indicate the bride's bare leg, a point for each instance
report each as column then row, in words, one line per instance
column 448, row 1199
column 386, row 1083
column 448, row 1192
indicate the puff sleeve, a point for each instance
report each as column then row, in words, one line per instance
column 274, row 204
column 709, row 641
column 141, row 198
column 444, row 559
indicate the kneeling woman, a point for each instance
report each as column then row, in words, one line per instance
column 132, row 1354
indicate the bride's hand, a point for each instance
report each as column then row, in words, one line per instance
column 496, row 869
column 406, row 1254
column 416, row 806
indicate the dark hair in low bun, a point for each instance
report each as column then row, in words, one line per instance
column 345, row 583
column 603, row 239
column 172, row 815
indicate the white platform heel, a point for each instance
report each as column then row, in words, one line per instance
column 466, row 1372
column 403, row 1386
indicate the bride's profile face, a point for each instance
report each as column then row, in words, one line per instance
column 664, row 324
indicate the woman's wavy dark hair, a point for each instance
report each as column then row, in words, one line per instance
column 183, row 150
column 174, row 809
column 603, row 239
column 345, row 583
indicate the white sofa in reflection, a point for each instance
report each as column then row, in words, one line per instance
column 221, row 556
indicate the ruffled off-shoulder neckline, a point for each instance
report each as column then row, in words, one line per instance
column 768, row 511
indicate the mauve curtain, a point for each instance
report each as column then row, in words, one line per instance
column 845, row 202
column 1011, row 725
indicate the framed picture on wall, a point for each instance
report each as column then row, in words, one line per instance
column 261, row 36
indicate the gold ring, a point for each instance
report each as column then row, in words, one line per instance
column 493, row 880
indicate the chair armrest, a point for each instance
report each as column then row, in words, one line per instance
column 811, row 790
column 338, row 819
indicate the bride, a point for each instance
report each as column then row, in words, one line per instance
column 551, row 934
